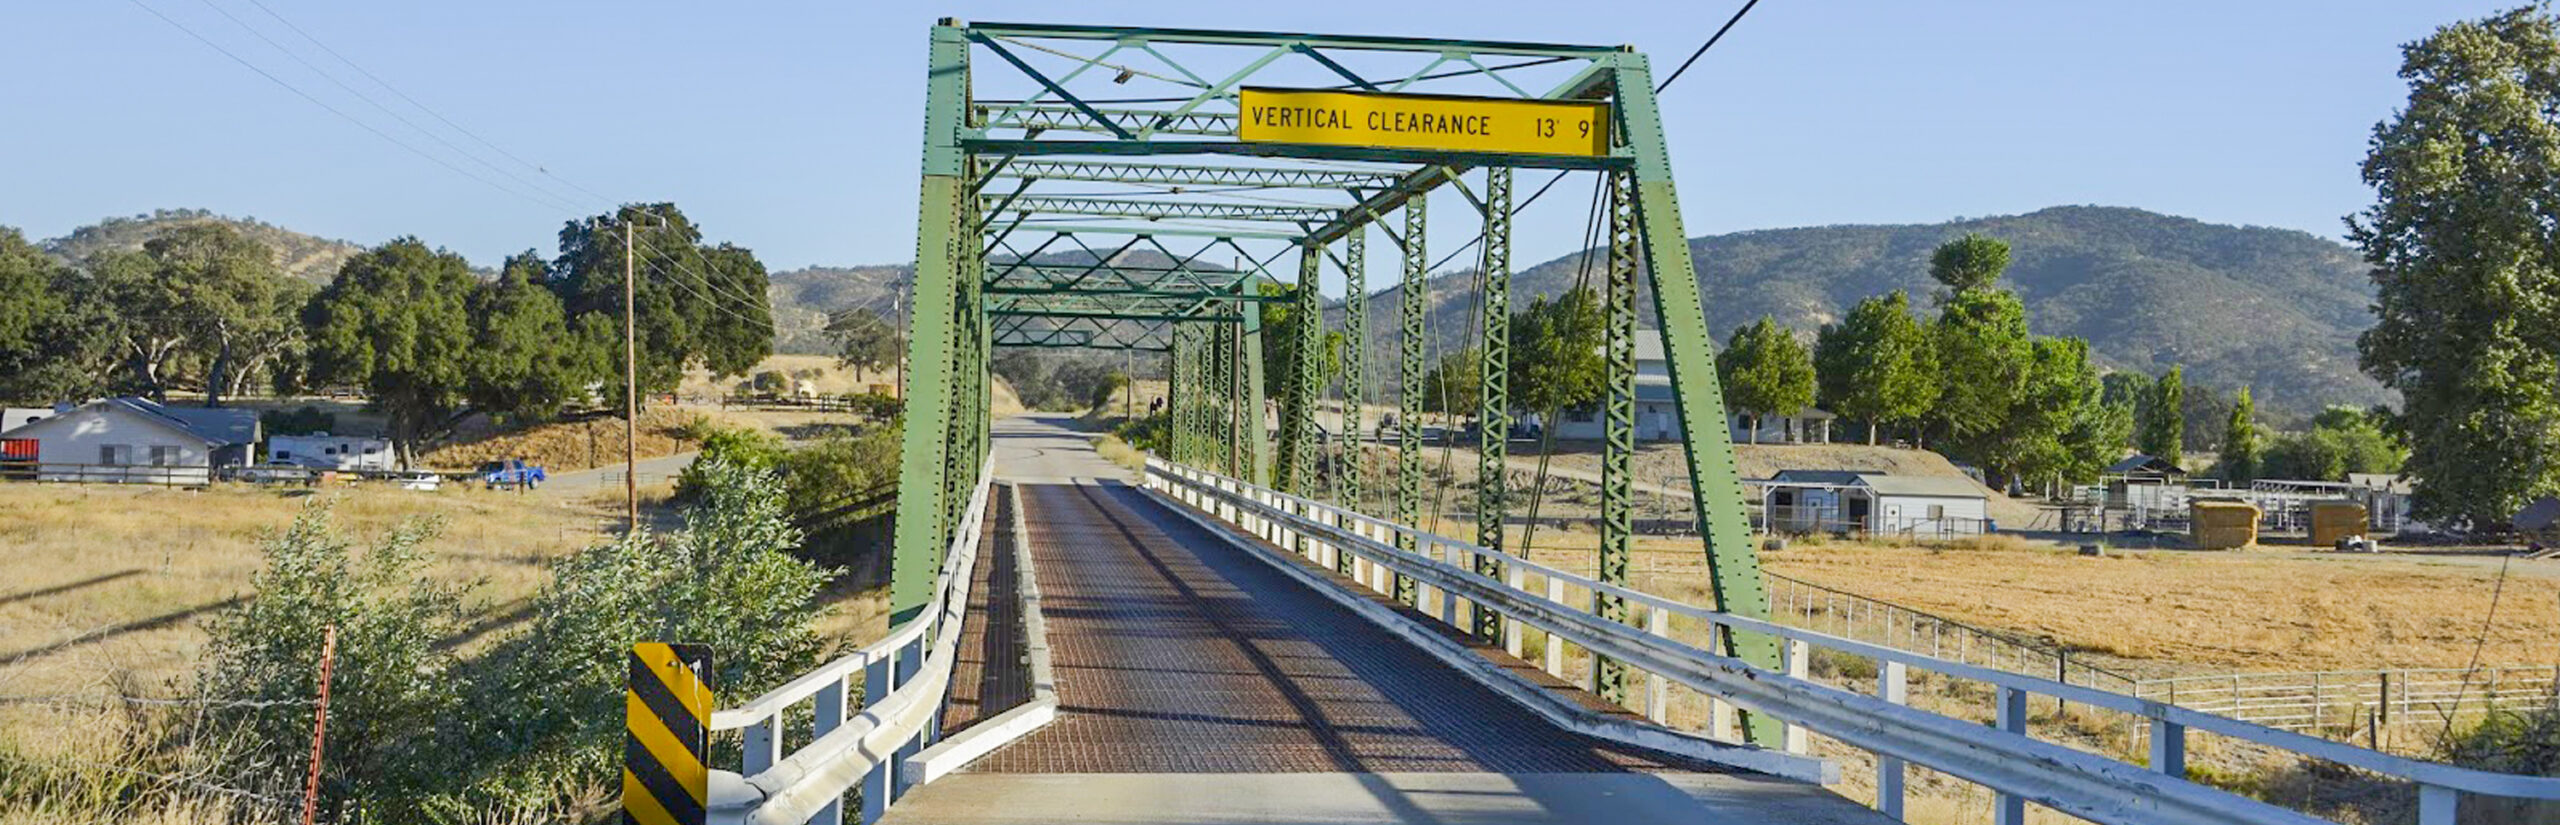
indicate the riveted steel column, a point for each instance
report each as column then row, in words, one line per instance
column 1618, row 431
column 1493, row 370
column 1231, row 393
column 1733, row 566
column 1355, row 367
column 1409, row 314
column 923, row 453
column 1298, row 396
column 1177, row 398
column 1257, row 439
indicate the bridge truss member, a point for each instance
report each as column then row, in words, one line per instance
column 1139, row 189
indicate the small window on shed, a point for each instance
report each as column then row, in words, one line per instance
column 163, row 455
column 1937, row 511
column 281, row 455
column 371, row 449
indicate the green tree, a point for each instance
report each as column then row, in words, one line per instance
column 2062, row 430
column 1969, row 263
column 697, row 305
column 234, row 306
column 1765, row 371
column 53, row 327
column 2240, row 441
column 1878, row 365
column 2163, row 426
column 2341, row 440
column 526, row 361
column 1280, row 339
column 866, row 341
column 1984, row 353
column 395, row 321
column 2464, row 240
column 1556, row 363
column 1451, row 387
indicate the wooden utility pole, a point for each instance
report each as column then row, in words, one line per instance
column 630, row 391
column 319, row 727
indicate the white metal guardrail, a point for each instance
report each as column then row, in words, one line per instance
column 2004, row 758
column 906, row 676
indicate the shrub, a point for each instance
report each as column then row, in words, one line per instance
column 820, row 476
column 742, row 446
column 303, row 421
column 2526, row 742
column 389, row 686
column 546, row 717
column 1150, row 433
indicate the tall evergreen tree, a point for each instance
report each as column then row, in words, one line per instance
column 1765, row 371
column 2163, row 426
column 1879, row 365
column 2464, row 239
column 2240, row 441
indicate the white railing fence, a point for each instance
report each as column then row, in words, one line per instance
column 2352, row 702
column 906, row 676
column 2004, row 757
column 1851, row 616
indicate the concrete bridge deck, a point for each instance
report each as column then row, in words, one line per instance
column 1198, row 684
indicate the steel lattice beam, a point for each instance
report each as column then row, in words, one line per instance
column 1183, row 174
column 1416, row 303
column 1159, row 209
column 1618, row 430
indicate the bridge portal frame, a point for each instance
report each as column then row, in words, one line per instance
column 981, row 283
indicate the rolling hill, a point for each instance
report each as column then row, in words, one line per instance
column 2274, row 309
column 306, row 257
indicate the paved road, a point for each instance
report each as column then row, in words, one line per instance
column 1198, row 684
column 584, row 482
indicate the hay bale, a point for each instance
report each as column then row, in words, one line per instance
column 2219, row 524
column 2336, row 521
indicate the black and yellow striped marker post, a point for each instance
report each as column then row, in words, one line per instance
column 667, row 712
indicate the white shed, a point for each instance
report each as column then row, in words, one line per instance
column 1879, row 503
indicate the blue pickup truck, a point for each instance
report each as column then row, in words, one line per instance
column 512, row 473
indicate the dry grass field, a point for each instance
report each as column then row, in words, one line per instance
column 2172, row 610
column 109, row 585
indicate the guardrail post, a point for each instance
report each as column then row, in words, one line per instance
column 1555, row 646
column 1657, row 690
column 1799, row 661
column 1457, row 556
column 2008, row 808
column 879, row 678
column 2437, row 804
column 1893, row 684
column 830, row 714
column 1513, row 578
column 2169, row 747
column 764, row 745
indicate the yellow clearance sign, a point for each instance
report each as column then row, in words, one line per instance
column 1435, row 122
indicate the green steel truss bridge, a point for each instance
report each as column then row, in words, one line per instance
column 1256, row 628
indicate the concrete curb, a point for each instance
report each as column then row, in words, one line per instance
column 957, row 751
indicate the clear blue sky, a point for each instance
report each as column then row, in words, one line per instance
column 791, row 128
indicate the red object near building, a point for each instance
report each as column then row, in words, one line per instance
column 17, row 449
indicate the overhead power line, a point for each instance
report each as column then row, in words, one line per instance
column 1666, row 83
column 708, row 291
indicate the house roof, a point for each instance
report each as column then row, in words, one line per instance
column 1884, row 483
column 220, row 425
column 2139, row 463
column 214, row 426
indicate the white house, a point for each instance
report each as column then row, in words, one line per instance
column 1852, row 501
column 134, row 439
column 333, row 452
column 1658, row 418
column 14, row 417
